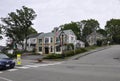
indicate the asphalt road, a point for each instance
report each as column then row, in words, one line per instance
column 99, row 66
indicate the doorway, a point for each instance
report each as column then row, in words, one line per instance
column 46, row 50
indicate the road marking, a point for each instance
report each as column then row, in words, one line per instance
column 12, row 70
column 6, row 79
column 23, row 67
column 38, row 65
column 1, row 72
column 31, row 65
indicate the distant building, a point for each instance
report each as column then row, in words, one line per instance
column 80, row 44
column 93, row 37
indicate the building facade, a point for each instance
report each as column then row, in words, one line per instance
column 52, row 42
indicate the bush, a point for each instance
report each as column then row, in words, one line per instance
column 69, row 53
column 66, row 54
column 53, row 56
column 11, row 55
column 81, row 50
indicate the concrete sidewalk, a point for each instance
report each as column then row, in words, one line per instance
column 33, row 62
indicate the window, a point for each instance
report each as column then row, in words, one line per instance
column 57, row 48
column 40, row 41
column 51, row 49
column 57, row 40
column 51, row 39
column 40, row 48
column 46, row 40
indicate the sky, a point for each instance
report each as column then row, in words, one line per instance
column 53, row 13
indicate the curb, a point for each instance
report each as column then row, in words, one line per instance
column 90, row 52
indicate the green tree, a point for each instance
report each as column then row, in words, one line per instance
column 113, row 29
column 31, row 30
column 102, row 31
column 74, row 27
column 89, row 27
column 18, row 23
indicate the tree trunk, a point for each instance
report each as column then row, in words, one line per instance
column 25, row 44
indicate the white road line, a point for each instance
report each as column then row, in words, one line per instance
column 5, row 79
column 31, row 66
column 23, row 67
column 1, row 72
column 12, row 70
column 38, row 65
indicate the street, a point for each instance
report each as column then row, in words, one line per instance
column 99, row 66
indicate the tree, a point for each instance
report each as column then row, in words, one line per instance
column 113, row 29
column 74, row 27
column 89, row 27
column 31, row 30
column 17, row 24
column 102, row 31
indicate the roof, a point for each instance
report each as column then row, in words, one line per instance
column 51, row 34
column 33, row 35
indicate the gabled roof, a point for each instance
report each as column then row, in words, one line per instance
column 51, row 34
column 33, row 35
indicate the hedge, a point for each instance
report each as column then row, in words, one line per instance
column 53, row 56
column 66, row 54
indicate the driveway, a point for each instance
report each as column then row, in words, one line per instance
column 31, row 57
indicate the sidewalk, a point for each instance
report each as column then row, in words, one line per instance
column 33, row 62
column 76, row 57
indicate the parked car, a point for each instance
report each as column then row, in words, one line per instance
column 6, row 62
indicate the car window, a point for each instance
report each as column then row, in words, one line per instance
column 3, row 56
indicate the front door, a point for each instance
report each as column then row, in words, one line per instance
column 46, row 50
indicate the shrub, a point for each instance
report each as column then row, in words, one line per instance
column 66, row 54
column 69, row 53
column 11, row 55
column 53, row 56
column 81, row 50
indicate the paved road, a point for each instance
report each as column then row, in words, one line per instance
column 99, row 66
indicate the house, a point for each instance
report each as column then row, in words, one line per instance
column 93, row 37
column 79, row 44
column 31, row 42
column 54, row 42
